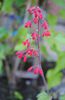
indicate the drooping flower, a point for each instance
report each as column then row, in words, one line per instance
column 36, row 70
column 35, row 52
column 30, row 69
column 36, row 11
column 40, row 16
column 45, row 25
column 31, row 10
column 24, row 59
column 46, row 33
column 35, row 20
column 19, row 54
column 41, row 72
column 28, row 24
column 34, row 35
column 30, row 52
column 26, row 43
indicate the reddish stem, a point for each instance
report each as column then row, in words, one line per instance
column 39, row 60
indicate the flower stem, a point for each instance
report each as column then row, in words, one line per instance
column 39, row 59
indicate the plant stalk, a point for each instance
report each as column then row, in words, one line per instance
column 39, row 59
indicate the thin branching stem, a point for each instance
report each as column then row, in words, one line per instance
column 39, row 59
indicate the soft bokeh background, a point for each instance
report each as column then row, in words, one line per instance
column 15, row 82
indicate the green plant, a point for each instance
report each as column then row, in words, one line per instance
column 43, row 96
column 18, row 96
column 55, row 42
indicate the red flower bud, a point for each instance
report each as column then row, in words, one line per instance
column 47, row 33
column 34, row 35
column 19, row 54
column 30, row 69
column 41, row 72
column 36, row 70
column 45, row 25
column 28, row 24
column 35, row 20
column 26, row 43
column 25, row 59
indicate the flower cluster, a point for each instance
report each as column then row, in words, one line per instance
column 26, row 43
column 21, row 55
column 37, row 16
column 28, row 52
column 36, row 70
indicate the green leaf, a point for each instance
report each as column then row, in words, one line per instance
column 34, row 2
column 22, row 34
column 52, row 20
column 20, row 2
column 1, row 67
column 3, row 32
column 18, row 96
column 60, row 38
column 2, row 52
column 0, row 4
column 60, row 63
column 62, row 13
column 43, row 96
column 53, row 78
column 44, row 51
column 7, row 6
column 59, row 2
column 2, row 55
column 19, row 47
column 62, row 97
column 28, row 36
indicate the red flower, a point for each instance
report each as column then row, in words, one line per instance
column 38, row 9
column 19, row 54
column 41, row 72
column 34, row 35
column 30, row 69
column 31, row 9
column 26, row 43
column 35, row 14
column 28, row 24
column 30, row 52
column 40, row 16
column 45, row 25
column 47, row 33
column 35, row 53
column 35, row 20
column 38, row 70
column 25, row 59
